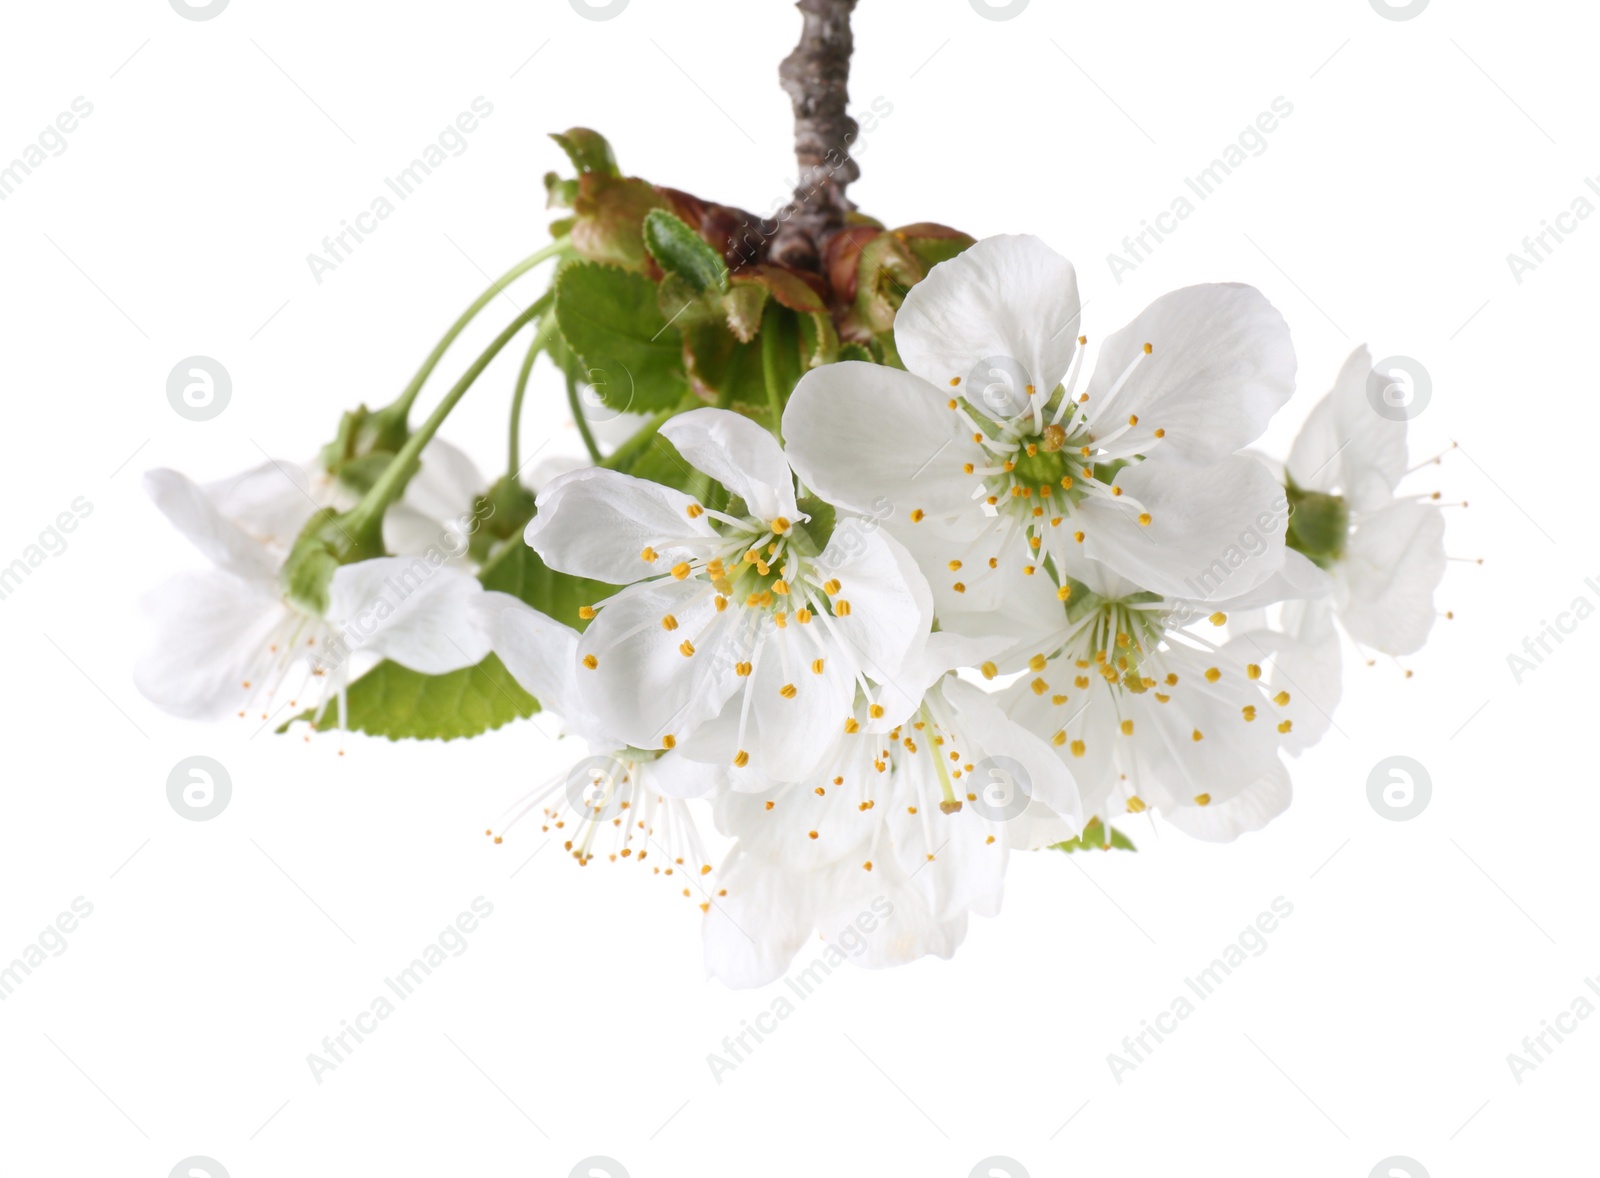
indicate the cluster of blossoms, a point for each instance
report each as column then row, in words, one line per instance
column 932, row 597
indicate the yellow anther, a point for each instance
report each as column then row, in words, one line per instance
column 1197, row 736
column 1217, row 619
column 680, row 570
column 816, row 666
column 1078, row 748
column 590, row 661
column 1202, row 799
column 669, row 623
column 1253, row 670
column 1127, row 728
column 788, row 691
column 686, row 648
column 1135, row 805
column 1281, row 699
column 1144, row 519
column 648, row 555
column 741, row 759
column 669, row 742
column 1148, row 349
column 1212, row 674
column 586, row 612
column 989, row 670
column 779, row 526
column 694, row 511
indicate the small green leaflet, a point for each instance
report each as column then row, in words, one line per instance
column 679, row 250
column 1093, row 839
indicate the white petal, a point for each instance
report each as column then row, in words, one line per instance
column 219, row 539
column 1348, row 446
column 1392, row 563
column 740, row 455
column 891, row 606
column 643, row 687
column 446, row 482
column 1303, row 659
column 595, row 523
column 678, row 777
column 877, row 919
column 273, row 501
column 1215, row 531
column 407, row 609
column 1221, row 366
column 542, row 655
column 1250, row 809
column 211, row 629
column 1010, row 297
column 752, row 933
column 1050, row 782
column 880, row 441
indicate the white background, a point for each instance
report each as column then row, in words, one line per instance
column 220, row 153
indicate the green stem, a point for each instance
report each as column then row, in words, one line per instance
column 582, row 422
column 367, row 516
column 534, row 348
column 409, row 394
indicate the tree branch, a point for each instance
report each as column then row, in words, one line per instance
column 816, row 77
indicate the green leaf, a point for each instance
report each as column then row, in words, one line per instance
column 402, row 704
column 630, row 354
column 855, row 352
column 1093, row 839
column 679, row 250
